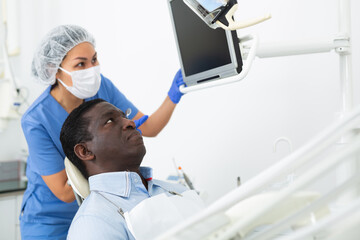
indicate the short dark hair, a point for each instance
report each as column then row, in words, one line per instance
column 75, row 130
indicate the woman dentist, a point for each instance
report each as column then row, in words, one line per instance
column 66, row 60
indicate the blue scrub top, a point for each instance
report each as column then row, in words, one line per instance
column 42, row 124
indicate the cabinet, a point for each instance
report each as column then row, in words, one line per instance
column 10, row 204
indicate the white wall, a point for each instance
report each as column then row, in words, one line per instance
column 215, row 134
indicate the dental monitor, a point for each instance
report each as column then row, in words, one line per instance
column 205, row 54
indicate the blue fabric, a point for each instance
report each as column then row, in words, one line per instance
column 42, row 124
column 97, row 218
column 43, row 231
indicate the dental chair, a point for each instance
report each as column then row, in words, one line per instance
column 77, row 181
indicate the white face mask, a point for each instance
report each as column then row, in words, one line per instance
column 86, row 83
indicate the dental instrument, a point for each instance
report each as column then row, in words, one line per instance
column 187, row 179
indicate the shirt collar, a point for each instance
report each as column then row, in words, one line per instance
column 118, row 183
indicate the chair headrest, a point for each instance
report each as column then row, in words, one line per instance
column 77, row 181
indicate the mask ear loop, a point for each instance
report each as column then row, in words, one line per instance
column 66, row 71
column 66, row 86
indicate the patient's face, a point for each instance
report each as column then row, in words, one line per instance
column 116, row 143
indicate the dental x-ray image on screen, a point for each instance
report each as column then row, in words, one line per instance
column 211, row 5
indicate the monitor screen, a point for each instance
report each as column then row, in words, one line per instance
column 201, row 47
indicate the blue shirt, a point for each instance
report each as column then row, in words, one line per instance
column 42, row 124
column 98, row 218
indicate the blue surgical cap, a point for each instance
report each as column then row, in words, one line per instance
column 54, row 47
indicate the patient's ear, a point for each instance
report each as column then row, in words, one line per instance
column 82, row 152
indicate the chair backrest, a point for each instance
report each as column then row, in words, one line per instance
column 77, row 181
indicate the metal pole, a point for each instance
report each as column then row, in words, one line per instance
column 348, row 169
column 345, row 56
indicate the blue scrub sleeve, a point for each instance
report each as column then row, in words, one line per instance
column 45, row 158
column 117, row 98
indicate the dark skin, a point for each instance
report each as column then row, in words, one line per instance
column 116, row 144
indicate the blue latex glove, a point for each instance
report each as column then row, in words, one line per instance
column 140, row 122
column 174, row 92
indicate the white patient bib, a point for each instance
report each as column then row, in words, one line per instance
column 155, row 215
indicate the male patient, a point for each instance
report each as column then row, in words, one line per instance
column 107, row 149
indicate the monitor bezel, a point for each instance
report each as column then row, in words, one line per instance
column 213, row 74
